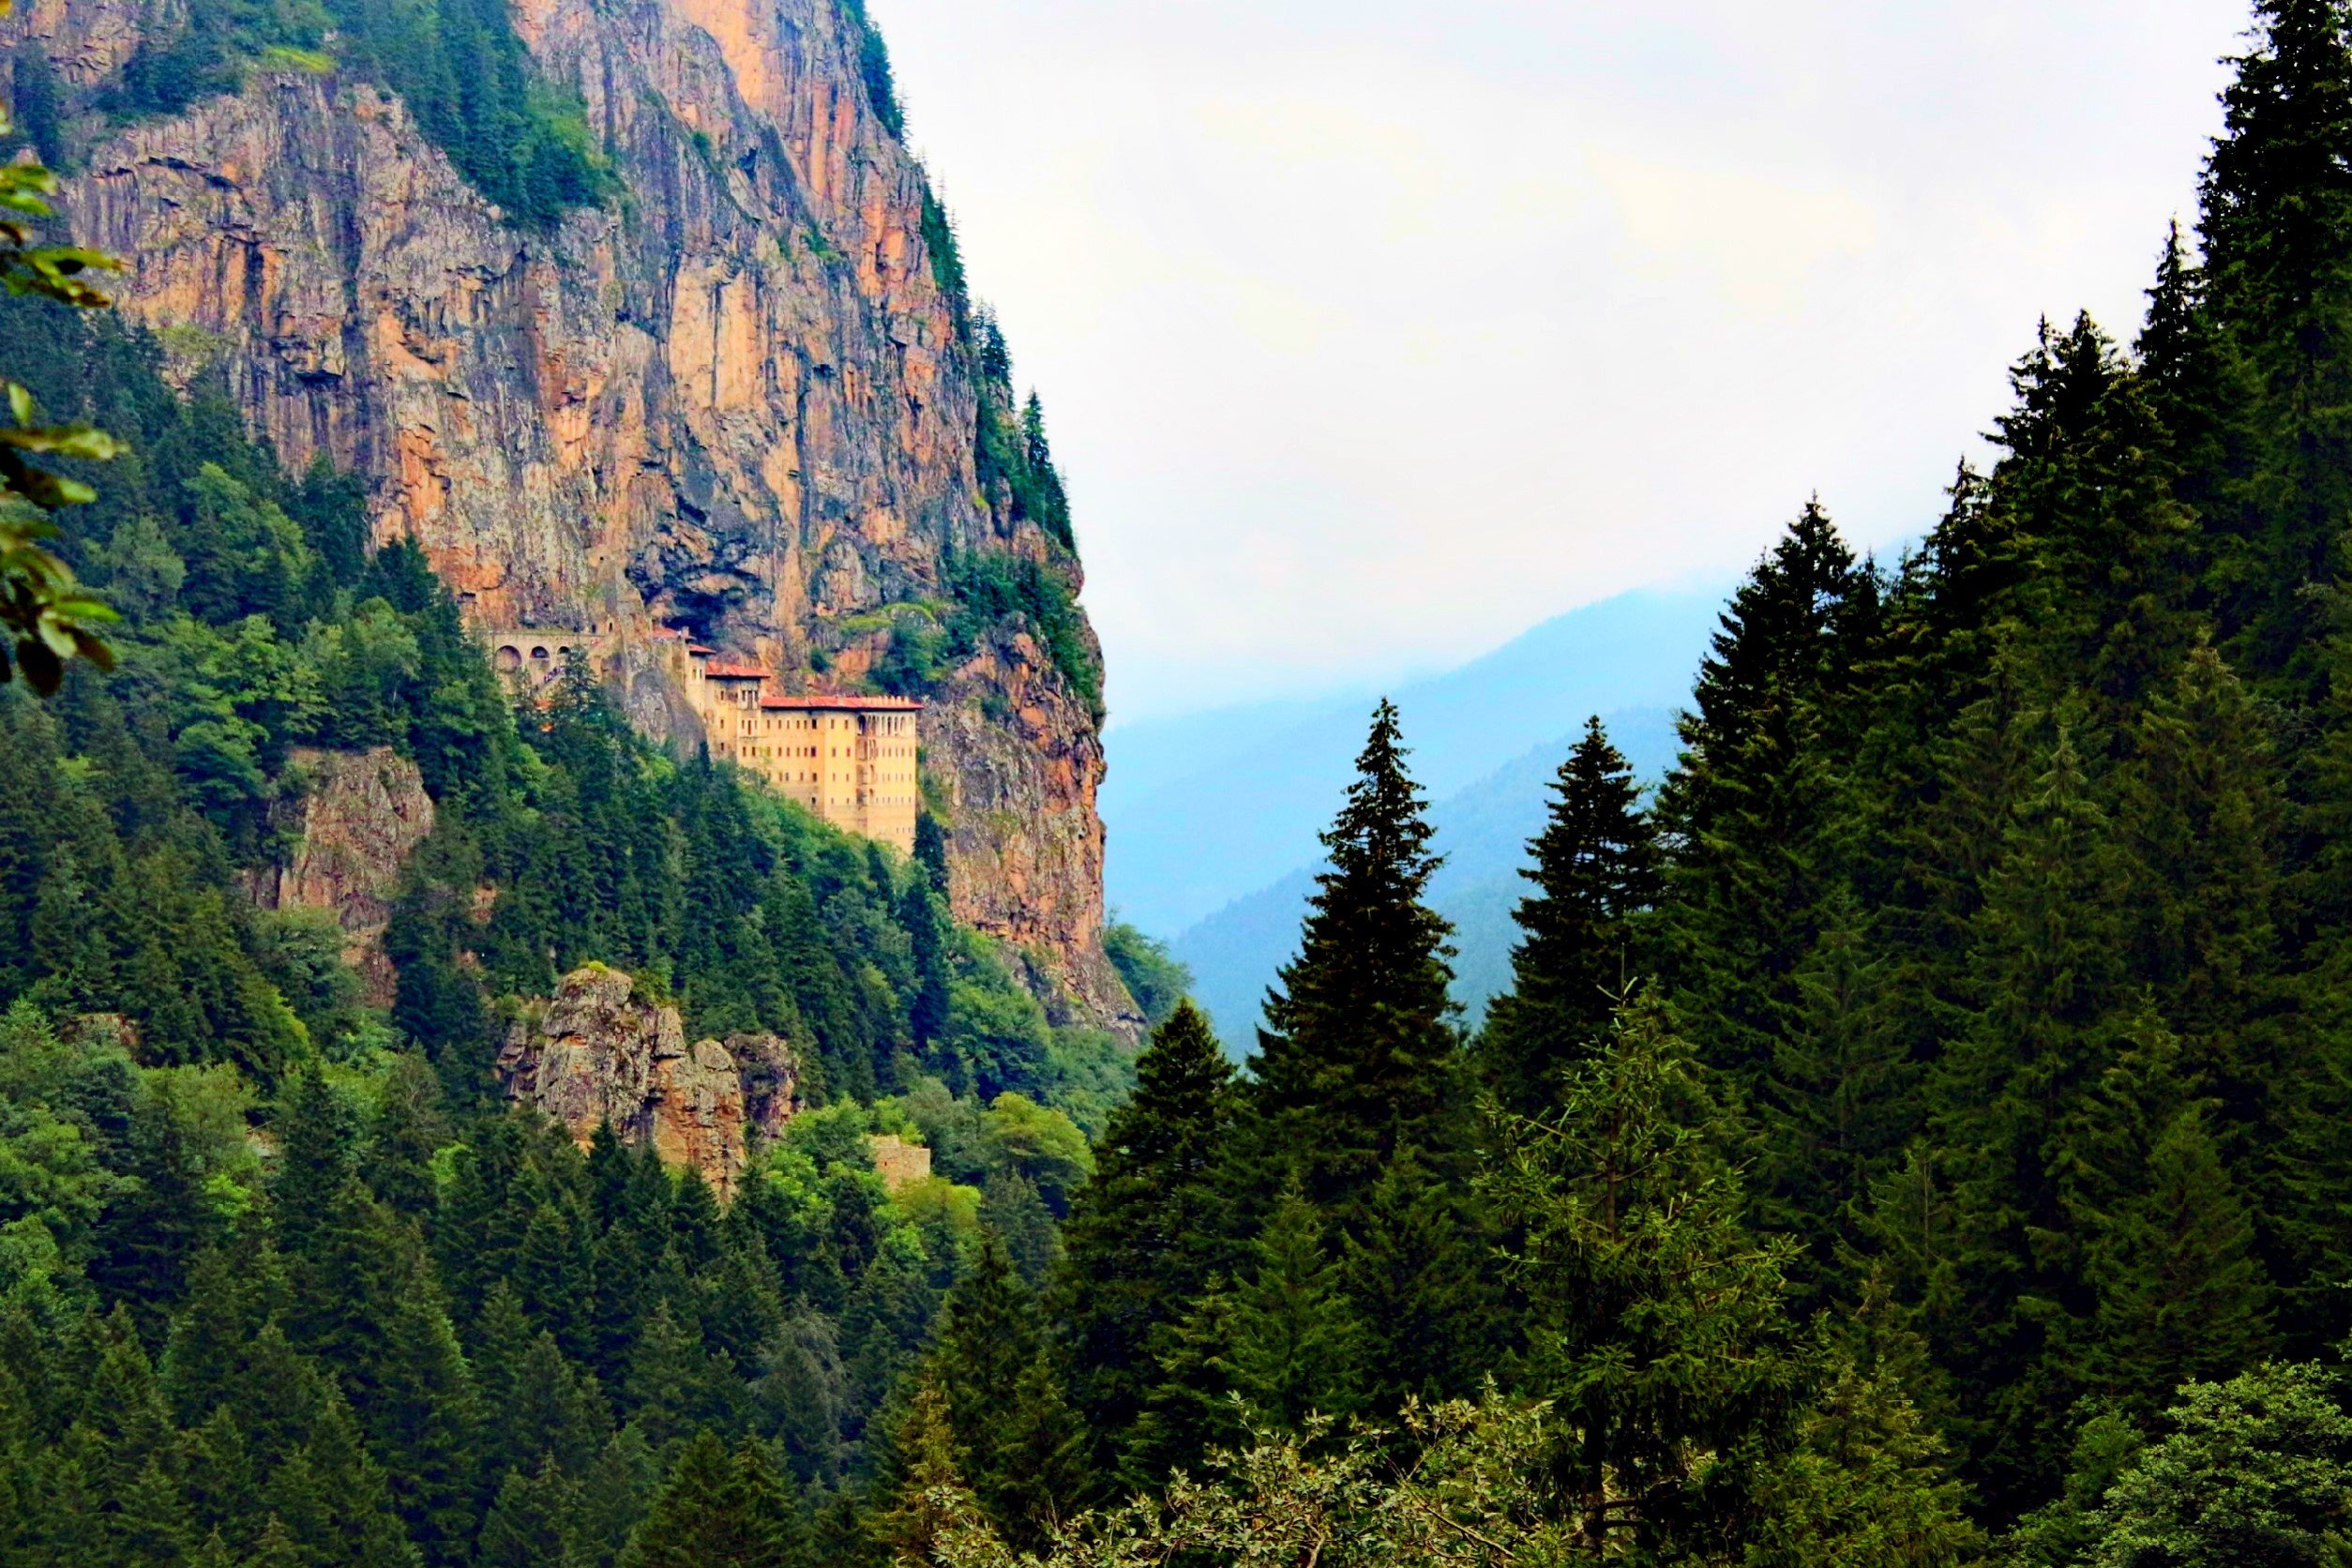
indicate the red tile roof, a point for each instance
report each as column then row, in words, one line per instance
column 832, row 703
column 727, row 670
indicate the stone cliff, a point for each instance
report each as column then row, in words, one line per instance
column 600, row 1051
column 352, row 818
column 733, row 402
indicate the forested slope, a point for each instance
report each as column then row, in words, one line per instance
column 281, row 1277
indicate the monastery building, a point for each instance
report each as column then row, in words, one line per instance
column 850, row 760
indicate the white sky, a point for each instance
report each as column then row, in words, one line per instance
column 1372, row 331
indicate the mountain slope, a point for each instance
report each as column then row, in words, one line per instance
column 742, row 397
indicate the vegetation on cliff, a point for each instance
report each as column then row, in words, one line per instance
column 519, row 139
column 208, row 1142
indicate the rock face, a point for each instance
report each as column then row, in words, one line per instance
column 734, row 403
column 357, row 817
column 600, row 1052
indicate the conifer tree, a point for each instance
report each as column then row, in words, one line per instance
column 1358, row 1059
column 528, row 1523
column 397, row 1162
column 2277, row 227
column 720, row 1508
column 2181, row 1293
column 1746, row 810
column 1294, row 1344
column 1656, row 1323
column 1146, row 1233
column 923, row 1491
column 1594, row 869
column 1418, row 1276
column 316, row 1133
column 2051, row 1010
column 1015, row 1438
column 1841, row 1098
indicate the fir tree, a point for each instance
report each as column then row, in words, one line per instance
column 1015, row 1438
column 1656, row 1323
column 1594, row 868
column 316, row 1133
column 528, row 1523
column 923, row 1491
column 1747, row 808
column 1146, row 1233
column 1358, row 1059
column 1419, row 1280
column 721, row 1508
column 1296, row 1347
column 2277, row 226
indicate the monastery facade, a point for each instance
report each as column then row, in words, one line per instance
column 850, row 760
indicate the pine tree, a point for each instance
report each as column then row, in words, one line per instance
column 922, row 1491
column 1418, row 1277
column 1656, row 1323
column 1359, row 1059
column 2167, row 1241
column 1296, row 1347
column 1747, row 811
column 528, row 1523
column 2051, row 1009
column 397, row 1163
column 316, row 1133
column 1841, row 1098
column 717, row 1508
column 1015, row 1437
column 1594, row 868
column 2277, row 227
column 423, row 1420
column 669, row 1374
column 1146, row 1232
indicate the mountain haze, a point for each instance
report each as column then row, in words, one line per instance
column 1208, row 809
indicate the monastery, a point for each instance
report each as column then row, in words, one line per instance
column 850, row 760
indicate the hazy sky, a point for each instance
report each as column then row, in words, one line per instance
column 1373, row 331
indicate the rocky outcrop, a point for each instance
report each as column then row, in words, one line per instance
column 769, row 1070
column 353, row 818
column 735, row 401
column 600, row 1051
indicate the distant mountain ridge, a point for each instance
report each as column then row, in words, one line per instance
column 1212, row 818
column 1483, row 832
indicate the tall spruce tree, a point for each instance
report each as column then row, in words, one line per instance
column 2277, row 227
column 1747, row 811
column 1594, row 868
column 1148, row 1230
column 1359, row 1058
column 1017, row 1442
column 1656, row 1322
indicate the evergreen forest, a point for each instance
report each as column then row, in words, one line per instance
column 1919, row 1130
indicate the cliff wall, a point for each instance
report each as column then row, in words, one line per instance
column 353, row 818
column 733, row 400
column 598, row 1052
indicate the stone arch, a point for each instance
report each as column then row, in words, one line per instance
column 509, row 659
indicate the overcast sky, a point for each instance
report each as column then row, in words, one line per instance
column 1373, row 331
